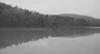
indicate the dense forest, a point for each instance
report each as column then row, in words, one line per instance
column 15, row 17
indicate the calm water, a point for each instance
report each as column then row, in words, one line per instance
column 55, row 41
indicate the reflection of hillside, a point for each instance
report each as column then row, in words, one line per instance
column 7, row 38
column 10, row 37
column 74, row 32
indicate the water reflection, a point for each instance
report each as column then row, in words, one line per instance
column 10, row 37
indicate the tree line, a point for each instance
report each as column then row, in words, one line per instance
column 18, row 17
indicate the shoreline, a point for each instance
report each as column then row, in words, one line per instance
column 25, row 29
column 44, row 29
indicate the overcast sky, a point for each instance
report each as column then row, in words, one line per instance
column 84, row 7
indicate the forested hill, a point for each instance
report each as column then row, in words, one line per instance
column 14, row 17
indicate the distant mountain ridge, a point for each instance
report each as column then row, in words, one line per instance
column 76, row 16
column 89, row 19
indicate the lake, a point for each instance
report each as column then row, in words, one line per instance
column 70, row 40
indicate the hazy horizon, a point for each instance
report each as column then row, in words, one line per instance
column 83, row 7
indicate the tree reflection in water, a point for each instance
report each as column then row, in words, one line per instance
column 15, row 37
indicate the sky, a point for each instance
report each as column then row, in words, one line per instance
column 83, row 7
